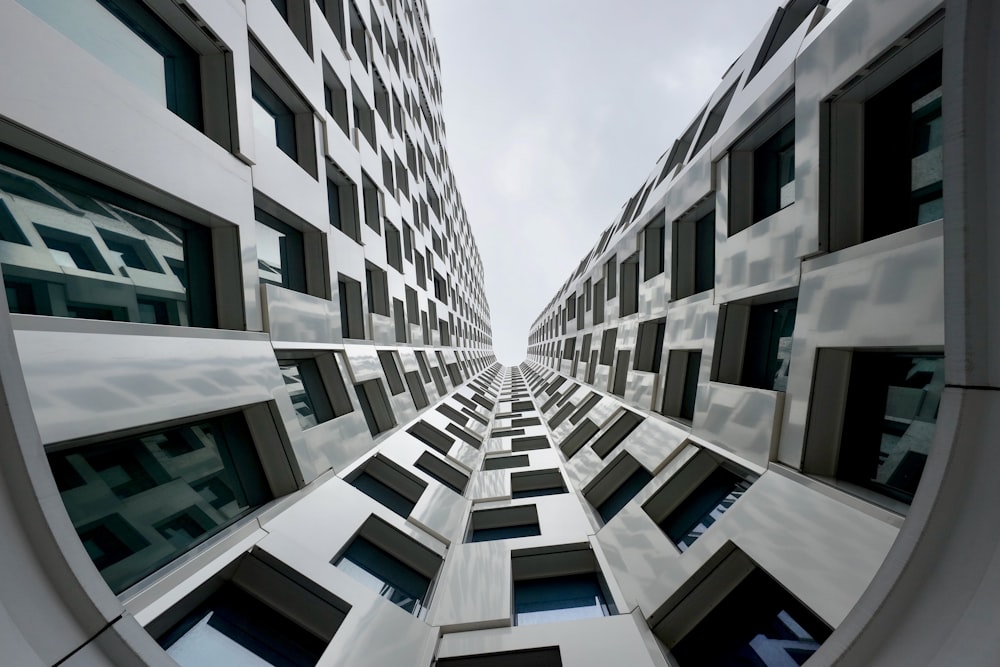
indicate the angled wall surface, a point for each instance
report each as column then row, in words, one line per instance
column 252, row 415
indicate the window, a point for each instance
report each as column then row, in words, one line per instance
column 351, row 312
column 134, row 42
column 359, row 35
column 627, row 422
column 389, row 484
column 335, row 98
column 774, row 173
column 620, row 378
column 333, row 12
column 280, row 112
column 502, row 462
column 608, row 346
column 530, row 442
column 757, row 344
column 280, row 253
column 756, row 622
column 390, row 366
column 375, row 406
column 628, row 301
column 373, row 205
column 295, row 13
column 264, row 615
column 417, row 391
column 307, row 392
column 561, row 586
column 617, row 484
column 599, row 302
column 342, row 202
column 878, row 433
column 503, row 523
column 649, row 345
column 697, row 496
column 893, row 139
column 393, row 565
column 579, row 437
column 681, row 385
column 364, row 117
column 532, row 483
column 536, row 657
column 654, row 247
column 714, row 120
column 94, row 238
column 377, row 287
column 139, row 502
column 445, row 473
column 694, row 252
column 610, row 277
column 432, row 436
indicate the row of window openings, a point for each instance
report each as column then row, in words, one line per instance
column 228, row 482
column 872, row 413
column 903, row 188
column 163, row 259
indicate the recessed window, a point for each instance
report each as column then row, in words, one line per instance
column 714, row 120
column 694, row 252
column 307, row 392
column 885, row 420
column 608, row 338
column 295, row 13
column 432, row 436
column 333, row 12
column 351, row 311
column 649, row 345
column 889, row 129
column 335, row 98
column 623, row 426
column 390, row 366
column 389, row 484
column 503, row 523
column 532, row 483
column 762, row 168
column 342, row 203
column 445, row 473
column 579, row 437
column 359, row 35
column 681, row 385
column 280, row 253
column 264, row 615
column 503, row 462
column 654, row 247
column 550, row 587
column 280, row 113
column 756, row 344
column 529, row 443
column 95, row 236
column 617, row 484
column 757, row 621
column 364, row 117
column 628, row 300
column 536, row 657
column 375, row 406
column 697, row 496
column 417, row 391
column 396, row 567
column 620, row 378
column 134, row 42
column 139, row 502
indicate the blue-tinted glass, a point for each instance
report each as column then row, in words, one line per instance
column 558, row 599
column 703, row 507
column 234, row 628
column 388, row 576
column 139, row 502
column 624, row 493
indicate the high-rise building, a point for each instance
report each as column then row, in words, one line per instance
column 251, row 413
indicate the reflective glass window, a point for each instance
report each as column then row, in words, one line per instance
column 139, row 502
column 385, row 574
column 77, row 249
column 233, row 627
column 565, row 598
column 134, row 42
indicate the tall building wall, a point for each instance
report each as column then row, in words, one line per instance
column 251, row 409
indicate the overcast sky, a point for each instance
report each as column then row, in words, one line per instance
column 556, row 111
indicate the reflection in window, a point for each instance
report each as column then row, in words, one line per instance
column 774, row 173
column 272, row 117
column 235, row 628
column 134, row 42
column 280, row 253
column 566, row 598
column 705, row 505
column 306, row 390
column 96, row 255
column 892, row 408
column 139, row 502
column 758, row 623
column 385, row 574
column 769, row 345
